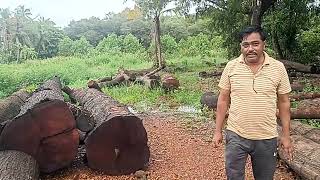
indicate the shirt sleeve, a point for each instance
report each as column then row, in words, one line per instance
column 224, row 82
column 284, row 85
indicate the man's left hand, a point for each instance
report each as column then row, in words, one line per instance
column 286, row 145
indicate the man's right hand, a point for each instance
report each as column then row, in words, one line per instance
column 217, row 138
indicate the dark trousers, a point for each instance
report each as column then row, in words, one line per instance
column 263, row 155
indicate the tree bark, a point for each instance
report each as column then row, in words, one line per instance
column 118, row 143
column 296, row 66
column 301, row 96
column 10, row 107
column 306, row 159
column 44, row 129
column 16, row 165
column 306, row 113
column 158, row 41
column 84, row 119
column 148, row 82
column 305, row 130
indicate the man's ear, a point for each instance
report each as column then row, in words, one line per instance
column 264, row 45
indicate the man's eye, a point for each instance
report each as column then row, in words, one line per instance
column 256, row 44
column 245, row 45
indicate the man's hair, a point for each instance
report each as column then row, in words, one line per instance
column 252, row 29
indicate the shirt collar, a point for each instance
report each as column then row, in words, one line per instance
column 266, row 59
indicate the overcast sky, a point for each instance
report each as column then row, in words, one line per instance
column 63, row 11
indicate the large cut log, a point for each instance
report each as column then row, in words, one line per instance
column 118, row 143
column 305, row 130
column 44, row 129
column 296, row 66
column 16, row 165
column 209, row 99
column 306, row 157
column 204, row 74
column 84, row 119
column 306, row 113
column 307, row 103
column 301, row 96
column 10, row 106
column 169, row 82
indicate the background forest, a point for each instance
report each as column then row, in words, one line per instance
column 33, row 48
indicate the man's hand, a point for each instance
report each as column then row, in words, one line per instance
column 286, row 145
column 217, row 138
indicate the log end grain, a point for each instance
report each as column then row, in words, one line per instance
column 118, row 146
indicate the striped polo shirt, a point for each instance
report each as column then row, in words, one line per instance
column 252, row 112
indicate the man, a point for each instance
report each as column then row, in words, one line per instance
column 253, row 85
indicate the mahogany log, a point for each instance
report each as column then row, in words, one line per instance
column 306, row 157
column 301, row 96
column 16, row 165
column 44, row 129
column 118, row 143
column 10, row 106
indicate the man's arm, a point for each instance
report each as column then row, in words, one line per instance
column 222, row 107
column 284, row 115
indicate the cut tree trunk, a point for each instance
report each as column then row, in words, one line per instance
column 118, row 143
column 305, row 130
column 120, row 78
column 298, row 67
column 306, row 157
column 84, row 119
column 16, row 165
column 301, row 96
column 44, row 129
column 10, row 107
column 169, row 82
column 204, row 74
column 306, row 113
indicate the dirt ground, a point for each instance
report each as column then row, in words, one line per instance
column 181, row 148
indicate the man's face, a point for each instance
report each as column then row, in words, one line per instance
column 252, row 47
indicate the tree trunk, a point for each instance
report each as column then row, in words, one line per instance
column 158, row 41
column 169, row 82
column 305, row 130
column 276, row 44
column 301, row 96
column 44, row 129
column 296, row 66
column 84, row 119
column 10, row 107
column 306, row 113
column 306, row 159
column 118, row 143
column 16, row 165
column 256, row 13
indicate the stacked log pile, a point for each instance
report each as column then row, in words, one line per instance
column 148, row 77
column 44, row 129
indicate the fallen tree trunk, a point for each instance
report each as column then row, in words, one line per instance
column 301, row 96
column 16, row 165
column 169, row 82
column 84, row 119
column 10, row 107
column 44, row 129
column 306, row 113
column 298, row 67
column 148, row 82
column 118, row 143
column 305, row 130
column 204, row 74
column 306, row 158
column 120, row 78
